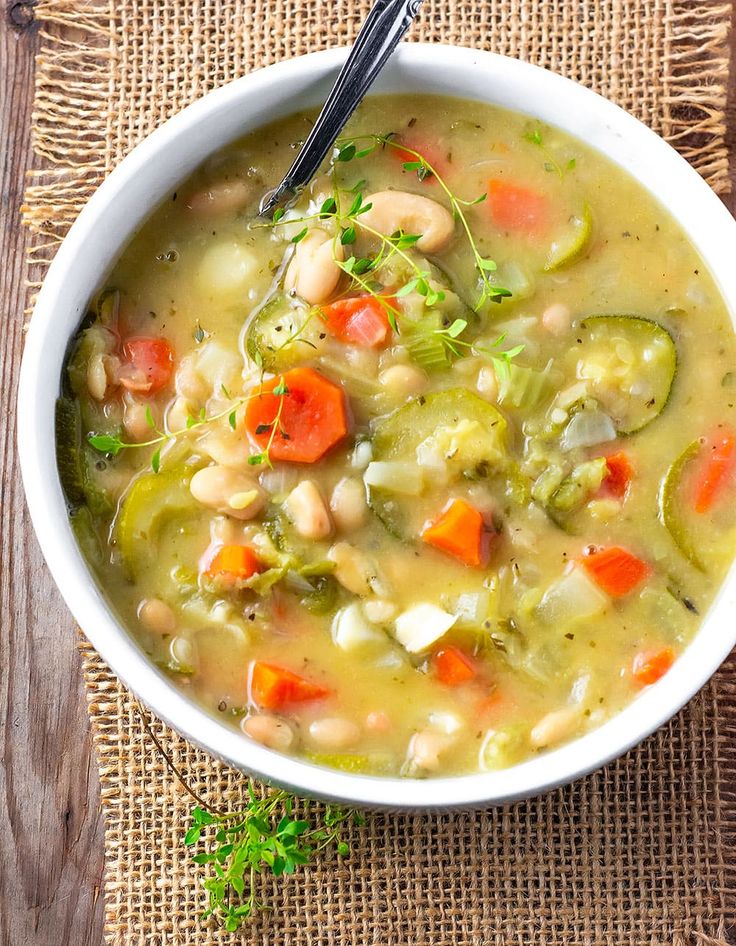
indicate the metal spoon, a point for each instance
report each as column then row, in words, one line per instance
column 381, row 32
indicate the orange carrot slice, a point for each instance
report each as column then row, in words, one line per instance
column 720, row 462
column 431, row 153
column 649, row 666
column 359, row 320
column 517, row 208
column 619, row 476
column 452, row 667
column 615, row 570
column 274, row 687
column 233, row 563
column 459, row 530
column 310, row 416
column 148, row 364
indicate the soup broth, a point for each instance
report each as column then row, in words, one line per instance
column 429, row 474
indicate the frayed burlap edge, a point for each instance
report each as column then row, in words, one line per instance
column 73, row 110
column 695, row 82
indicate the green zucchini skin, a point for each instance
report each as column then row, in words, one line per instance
column 74, row 458
column 639, row 331
column 152, row 499
column 668, row 507
column 566, row 253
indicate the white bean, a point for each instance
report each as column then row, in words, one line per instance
column 334, row 732
column 228, row 491
column 557, row 318
column 426, row 747
column 362, row 455
column 467, row 366
column 353, row 569
column 270, row 731
column 306, row 509
column 313, row 272
column 102, row 366
column 183, row 652
column 102, row 374
column 378, row 722
column 555, row 726
column 348, row 504
column 225, row 197
column 135, row 420
column 403, row 380
column 155, row 615
column 412, row 213
column 97, row 377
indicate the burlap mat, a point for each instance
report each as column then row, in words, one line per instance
column 641, row 852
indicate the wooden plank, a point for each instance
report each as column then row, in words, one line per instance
column 51, row 853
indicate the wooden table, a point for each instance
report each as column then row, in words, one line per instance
column 51, row 852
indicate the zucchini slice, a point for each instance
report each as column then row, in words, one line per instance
column 282, row 334
column 630, row 364
column 571, row 246
column 374, row 763
column 669, row 505
column 151, row 500
column 467, row 433
column 74, row 460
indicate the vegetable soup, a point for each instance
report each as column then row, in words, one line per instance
column 428, row 474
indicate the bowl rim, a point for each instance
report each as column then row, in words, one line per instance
column 36, row 443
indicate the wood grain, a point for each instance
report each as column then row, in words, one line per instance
column 51, row 847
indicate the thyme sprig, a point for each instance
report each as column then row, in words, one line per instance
column 357, row 267
column 281, row 391
column 397, row 243
column 264, row 836
column 423, row 168
column 112, row 444
column 500, row 358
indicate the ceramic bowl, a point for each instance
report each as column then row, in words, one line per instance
column 104, row 227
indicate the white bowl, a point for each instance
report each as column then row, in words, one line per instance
column 112, row 216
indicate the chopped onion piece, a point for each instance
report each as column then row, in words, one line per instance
column 394, row 476
column 573, row 597
column 586, row 429
column 568, row 397
column 351, row 629
column 472, row 609
column 362, row 455
column 445, row 722
column 421, row 626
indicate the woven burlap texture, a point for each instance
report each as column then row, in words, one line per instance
column 641, row 852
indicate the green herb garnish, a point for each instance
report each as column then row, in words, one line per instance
column 265, row 836
column 112, row 444
column 551, row 165
column 273, row 427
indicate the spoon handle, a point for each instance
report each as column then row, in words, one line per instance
column 381, row 32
